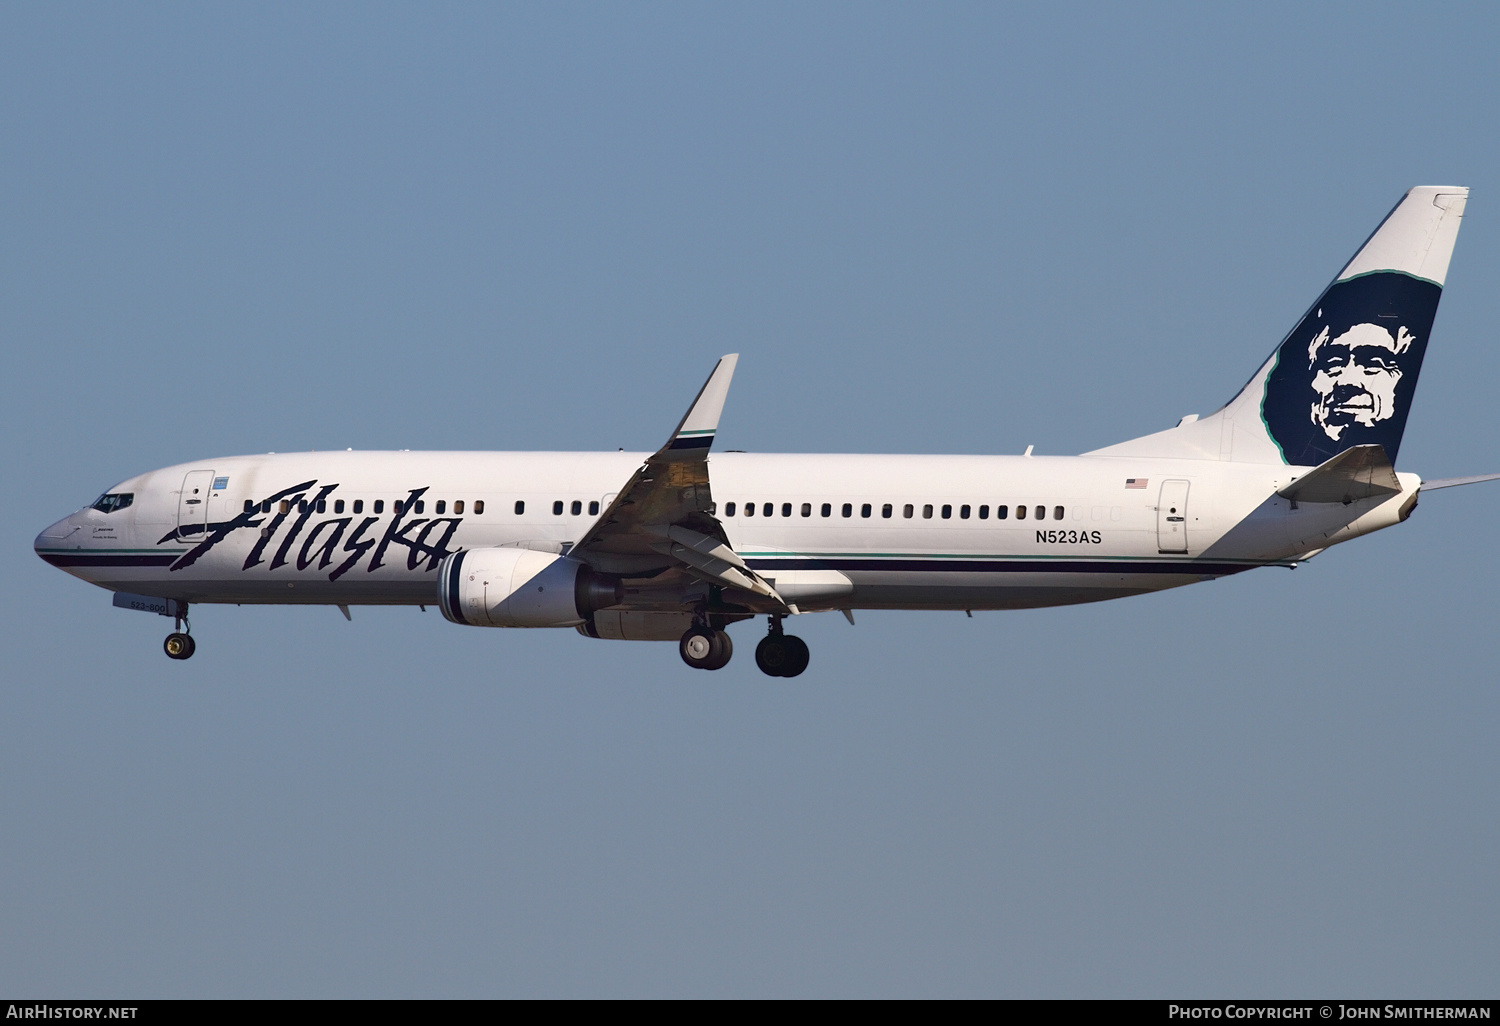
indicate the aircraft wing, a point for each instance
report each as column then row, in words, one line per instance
column 664, row 516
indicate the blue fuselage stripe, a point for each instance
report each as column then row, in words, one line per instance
column 107, row 559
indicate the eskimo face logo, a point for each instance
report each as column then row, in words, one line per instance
column 1346, row 373
column 1355, row 376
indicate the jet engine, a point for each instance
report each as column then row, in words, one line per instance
column 509, row 587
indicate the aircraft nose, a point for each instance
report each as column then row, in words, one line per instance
column 54, row 537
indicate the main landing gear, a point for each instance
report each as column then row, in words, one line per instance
column 781, row 655
column 180, row 644
column 777, row 655
column 703, row 648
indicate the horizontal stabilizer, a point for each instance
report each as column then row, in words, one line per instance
column 1454, row 482
column 1362, row 472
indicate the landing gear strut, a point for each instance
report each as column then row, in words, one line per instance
column 781, row 655
column 180, row 644
column 703, row 648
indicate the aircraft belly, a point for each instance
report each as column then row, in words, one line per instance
column 982, row 590
column 305, row 592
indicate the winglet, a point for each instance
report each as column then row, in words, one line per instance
column 702, row 418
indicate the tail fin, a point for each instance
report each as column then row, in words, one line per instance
column 1346, row 374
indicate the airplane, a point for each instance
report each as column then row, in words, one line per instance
column 679, row 544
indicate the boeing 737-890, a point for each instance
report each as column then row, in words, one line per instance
column 680, row 544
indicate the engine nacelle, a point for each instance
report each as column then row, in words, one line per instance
column 508, row 587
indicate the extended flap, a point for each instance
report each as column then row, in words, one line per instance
column 712, row 558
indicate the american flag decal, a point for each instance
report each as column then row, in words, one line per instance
column 1137, row 482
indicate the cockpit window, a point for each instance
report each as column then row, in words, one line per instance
column 109, row 503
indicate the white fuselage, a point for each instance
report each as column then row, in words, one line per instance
column 909, row 532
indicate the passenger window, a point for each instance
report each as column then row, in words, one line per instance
column 984, row 512
column 1041, row 512
column 379, row 506
column 396, row 507
column 458, row 506
column 1001, row 512
column 577, row 507
column 848, row 510
column 786, row 509
column 249, row 506
column 886, row 511
column 322, row 505
column 557, row 508
column 807, row 509
column 769, row 509
column 729, row 509
column 441, row 507
column 1058, row 513
column 947, row 512
column 749, row 509
column 302, row 506
column 421, row 505
column 594, row 508
column 963, row 512
column 864, row 510
column 265, row 507
column 359, row 505
column 478, row 507
column 286, row 506
column 1020, row 512
column 338, row 505
column 927, row 511
column 827, row 510
column 907, row 511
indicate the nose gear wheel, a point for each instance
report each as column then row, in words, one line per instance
column 179, row 646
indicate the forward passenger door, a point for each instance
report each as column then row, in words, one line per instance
column 192, row 504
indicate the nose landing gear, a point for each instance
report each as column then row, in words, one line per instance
column 781, row 655
column 180, row 644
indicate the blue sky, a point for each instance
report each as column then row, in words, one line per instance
column 956, row 228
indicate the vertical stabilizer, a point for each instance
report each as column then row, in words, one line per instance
column 1345, row 375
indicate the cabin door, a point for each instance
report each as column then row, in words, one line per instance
column 192, row 504
column 1171, row 517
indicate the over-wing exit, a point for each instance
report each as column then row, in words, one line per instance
column 680, row 544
